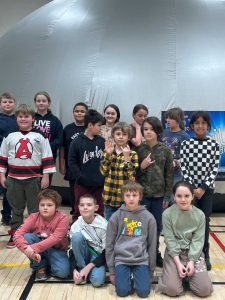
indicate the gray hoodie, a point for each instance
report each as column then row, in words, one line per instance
column 131, row 238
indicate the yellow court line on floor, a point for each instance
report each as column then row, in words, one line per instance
column 218, row 266
column 14, row 265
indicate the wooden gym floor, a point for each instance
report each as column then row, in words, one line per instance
column 16, row 281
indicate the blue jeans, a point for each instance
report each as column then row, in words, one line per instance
column 141, row 275
column 155, row 207
column 55, row 259
column 83, row 257
column 109, row 210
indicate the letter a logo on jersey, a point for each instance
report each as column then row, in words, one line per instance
column 23, row 149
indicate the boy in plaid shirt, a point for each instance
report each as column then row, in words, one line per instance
column 118, row 164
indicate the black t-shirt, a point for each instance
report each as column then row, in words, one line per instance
column 70, row 132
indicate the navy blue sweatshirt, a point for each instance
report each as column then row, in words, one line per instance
column 52, row 128
column 84, row 160
column 7, row 124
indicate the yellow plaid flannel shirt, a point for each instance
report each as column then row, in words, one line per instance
column 116, row 172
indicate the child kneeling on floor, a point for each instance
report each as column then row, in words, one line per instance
column 43, row 237
column 88, row 235
column 184, row 234
column 131, row 244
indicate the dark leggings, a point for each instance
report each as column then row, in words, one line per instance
column 205, row 204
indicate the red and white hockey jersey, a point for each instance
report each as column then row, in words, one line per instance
column 26, row 154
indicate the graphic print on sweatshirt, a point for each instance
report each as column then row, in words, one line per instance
column 172, row 143
column 44, row 126
column 132, row 227
column 75, row 135
column 24, row 149
column 88, row 155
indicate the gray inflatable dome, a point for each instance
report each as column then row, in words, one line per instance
column 157, row 52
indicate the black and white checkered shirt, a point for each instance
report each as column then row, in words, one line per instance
column 200, row 161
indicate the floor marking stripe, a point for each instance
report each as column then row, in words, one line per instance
column 218, row 266
column 14, row 265
column 217, row 240
column 27, row 288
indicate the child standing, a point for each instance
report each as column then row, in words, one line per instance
column 84, row 160
column 184, row 233
column 88, row 235
column 155, row 173
column 140, row 112
column 47, row 123
column 43, row 237
column 131, row 244
column 174, row 136
column 111, row 116
column 199, row 164
column 70, row 132
column 26, row 156
column 7, row 125
column 118, row 164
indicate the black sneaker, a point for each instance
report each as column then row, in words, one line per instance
column 208, row 264
column 6, row 221
column 41, row 275
column 159, row 260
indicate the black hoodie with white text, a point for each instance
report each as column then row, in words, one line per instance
column 84, row 160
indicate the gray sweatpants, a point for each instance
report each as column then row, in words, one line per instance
column 19, row 194
column 170, row 282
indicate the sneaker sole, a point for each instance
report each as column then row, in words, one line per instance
column 10, row 247
column 43, row 279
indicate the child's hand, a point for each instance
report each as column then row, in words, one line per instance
column 181, row 270
column 3, row 180
column 109, row 147
column 44, row 181
column 136, row 125
column 165, row 203
column 29, row 252
column 190, row 268
column 199, row 192
column 112, row 278
column 36, row 257
column 126, row 153
column 176, row 163
column 86, row 270
column 147, row 162
column 62, row 170
column 76, row 277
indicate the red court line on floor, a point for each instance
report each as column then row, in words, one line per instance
column 217, row 240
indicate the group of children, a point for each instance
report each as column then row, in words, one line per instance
column 123, row 172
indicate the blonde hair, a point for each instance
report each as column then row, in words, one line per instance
column 132, row 186
column 124, row 127
column 25, row 109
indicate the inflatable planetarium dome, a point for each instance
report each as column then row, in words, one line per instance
column 157, row 52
